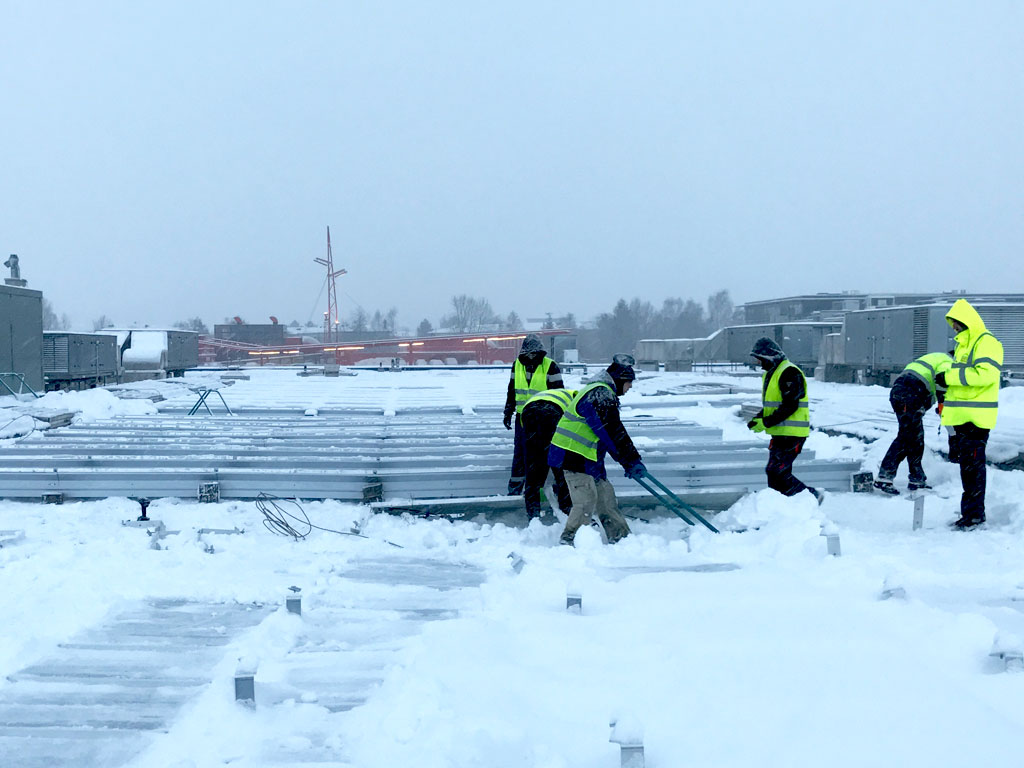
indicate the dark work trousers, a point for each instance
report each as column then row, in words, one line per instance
column 539, row 422
column 782, row 452
column 954, row 447
column 910, row 399
column 515, row 482
column 971, row 442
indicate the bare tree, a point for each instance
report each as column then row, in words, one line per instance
column 678, row 319
column 513, row 322
column 625, row 325
column 469, row 314
column 102, row 322
column 193, row 324
column 720, row 310
column 359, row 320
column 51, row 322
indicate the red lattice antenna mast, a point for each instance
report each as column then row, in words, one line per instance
column 331, row 315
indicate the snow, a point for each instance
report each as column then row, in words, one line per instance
column 751, row 647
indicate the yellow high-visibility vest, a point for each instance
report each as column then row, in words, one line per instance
column 537, row 383
column 560, row 397
column 573, row 433
column 797, row 425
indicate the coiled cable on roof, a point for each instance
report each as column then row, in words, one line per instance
column 276, row 519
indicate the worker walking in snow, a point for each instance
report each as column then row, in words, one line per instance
column 589, row 429
column 532, row 372
column 540, row 418
column 972, row 404
column 912, row 394
column 785, row 415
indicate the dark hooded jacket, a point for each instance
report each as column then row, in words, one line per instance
column 531, row 355
column 791, row 384
column 600, row 407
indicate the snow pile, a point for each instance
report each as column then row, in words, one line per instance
column 14, row 424
column 771, row 526
column 95, row 404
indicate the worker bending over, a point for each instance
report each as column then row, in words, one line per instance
column 589, row 429
column 912, row 394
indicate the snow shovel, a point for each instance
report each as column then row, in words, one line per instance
column 665, row 502
column 674, row 503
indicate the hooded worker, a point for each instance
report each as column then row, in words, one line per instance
column 912, row 394
column 785, row 415
column 532, row 372
column 972, row 404
column 589, row 429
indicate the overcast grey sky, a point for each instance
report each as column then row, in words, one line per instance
column 164, row 160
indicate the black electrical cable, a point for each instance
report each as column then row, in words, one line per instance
column 275, row 519
column 855, row 421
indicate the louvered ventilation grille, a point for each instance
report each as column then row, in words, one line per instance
column 1007, row 325
column 920, row 332
column 55, row 353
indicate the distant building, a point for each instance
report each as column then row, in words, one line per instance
column 264, row 334
column 832, row 306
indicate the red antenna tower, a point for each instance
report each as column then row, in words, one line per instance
column 331, row 315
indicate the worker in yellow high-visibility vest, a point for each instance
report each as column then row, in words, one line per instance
column 785, row 415
column 540, row 418
column 532, row 372
column 972, row 404
column 912, row 394
column 589, row 429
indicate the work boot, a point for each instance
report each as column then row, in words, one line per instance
column 886, row 486
column 967, row 523
column 922, row 486
column 567, row 539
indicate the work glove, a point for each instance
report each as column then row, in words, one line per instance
column 507, row 421
column 940, row 380
column 636, row 471
column 756, row 425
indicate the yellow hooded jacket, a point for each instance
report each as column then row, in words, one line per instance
column 973, row 380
